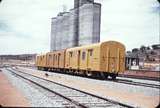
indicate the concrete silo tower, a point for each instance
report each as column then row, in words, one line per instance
column 79, row 26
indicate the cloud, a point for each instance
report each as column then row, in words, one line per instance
column 25, row 24
column 131, row 22
column 6, row 29
column 155, row 7
column 3, row 26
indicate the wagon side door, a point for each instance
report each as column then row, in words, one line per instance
column 79, row 58
column 122, row 60
column 83, row 60
column 113, row 63
column 58, row 60
column 89, row 58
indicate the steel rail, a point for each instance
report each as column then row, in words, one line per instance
column 66, row 98
column 105, row 99
column 129, row 82
column 139, row 77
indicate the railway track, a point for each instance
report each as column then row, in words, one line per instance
column 131, row 82
column 75, row 98
column 139, row 77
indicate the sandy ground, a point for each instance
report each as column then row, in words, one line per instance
column 9, row 95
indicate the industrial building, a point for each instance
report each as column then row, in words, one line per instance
column 79, row 26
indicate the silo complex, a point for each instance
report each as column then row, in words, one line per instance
column 79, row 26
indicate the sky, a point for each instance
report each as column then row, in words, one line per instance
column 25, row 25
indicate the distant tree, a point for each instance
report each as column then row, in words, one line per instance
column 135, row 50
column 128, row 52
column 143, row 49
column 148, row 48
column 156, row 46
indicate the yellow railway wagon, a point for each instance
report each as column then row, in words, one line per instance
column 112, row 57
column 106, row 58
column 56, row 59
column 50, row 59
column 83, row 58
column 37, row 60
column 41, row 61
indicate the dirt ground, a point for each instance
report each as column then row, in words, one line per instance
column 9, row 95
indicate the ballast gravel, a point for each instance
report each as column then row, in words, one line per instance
column 113, row 85
column 147, row 91
column 34, row 96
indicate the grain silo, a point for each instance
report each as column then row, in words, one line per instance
column 65, row 30
column 53, row 34
column 89, row 23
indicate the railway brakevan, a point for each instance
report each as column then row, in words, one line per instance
column 95, row 60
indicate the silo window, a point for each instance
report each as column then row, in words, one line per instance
column 83, row 55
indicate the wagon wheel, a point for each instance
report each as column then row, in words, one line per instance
column 106, row 76
column 88, row 73
column 113, row 77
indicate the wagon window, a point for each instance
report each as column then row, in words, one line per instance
column 83, row 55
column 71, row 54
column 53, row 57
column 90, row 52
column 49, row 56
